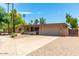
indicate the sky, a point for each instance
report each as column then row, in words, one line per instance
column 52, row 12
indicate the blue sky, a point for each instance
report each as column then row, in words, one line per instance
column 52, row 12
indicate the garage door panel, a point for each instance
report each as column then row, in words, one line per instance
column 51, row 31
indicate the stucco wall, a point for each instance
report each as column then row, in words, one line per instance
column 53, row 30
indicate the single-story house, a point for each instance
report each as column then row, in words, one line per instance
column 59, row 29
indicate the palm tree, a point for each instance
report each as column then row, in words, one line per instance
column 42, row 20
column 36, row 21
column 31, row 21
column 24, row 15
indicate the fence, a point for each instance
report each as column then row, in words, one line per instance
column 73, row 32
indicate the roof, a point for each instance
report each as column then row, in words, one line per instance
column 50, row 24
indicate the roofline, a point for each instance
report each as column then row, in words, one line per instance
column 48, row 24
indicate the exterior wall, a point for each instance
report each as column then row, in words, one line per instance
column 53, row 30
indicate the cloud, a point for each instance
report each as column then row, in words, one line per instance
column 29, row 12
column 25, row 12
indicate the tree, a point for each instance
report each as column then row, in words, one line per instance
column 10, row 20
column 7, row 21
column 24, row 15
column 17, row 19
column 2, row 14
column 68, row 18
column 42, row 20
column 72, row 22
column 36, row 21
column 4, row 19
column 31, row 22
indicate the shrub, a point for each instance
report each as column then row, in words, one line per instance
column 22, row 31
column 13, row 35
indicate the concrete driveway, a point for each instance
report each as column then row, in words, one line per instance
column 63, row 46
column 23, row 44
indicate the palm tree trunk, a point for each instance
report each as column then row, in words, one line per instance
column 8, row 13
column 13, row 17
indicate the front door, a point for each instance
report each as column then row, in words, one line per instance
column 37, row 30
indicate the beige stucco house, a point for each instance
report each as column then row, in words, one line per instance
column 59, row 29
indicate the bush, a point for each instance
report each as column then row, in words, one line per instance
column 13, row 35
column 22, row 31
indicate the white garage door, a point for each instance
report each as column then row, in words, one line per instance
column 51, row 31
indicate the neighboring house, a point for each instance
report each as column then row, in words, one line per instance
column 59, row 29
